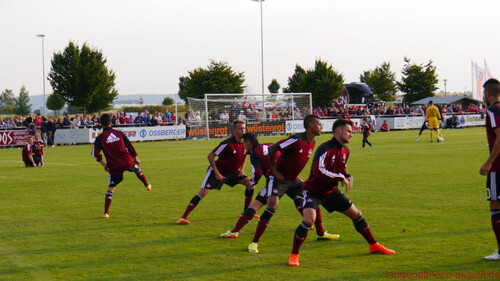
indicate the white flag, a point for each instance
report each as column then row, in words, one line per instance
column 487, row 73
column 477, row 82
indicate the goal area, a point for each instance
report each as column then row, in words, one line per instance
column 215, row 110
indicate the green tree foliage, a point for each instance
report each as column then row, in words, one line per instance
column 7, row 101
column 274, row 87
column 168, row 101
column 382, row 81
column 55, row 102
column 22, row 103
column 218, row 77
column 324, row 82
column 81, row 77
column 295, row 80
column 418, row 81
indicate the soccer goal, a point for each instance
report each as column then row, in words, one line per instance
column 218, row 109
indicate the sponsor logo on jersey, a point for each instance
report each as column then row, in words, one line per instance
column 234, row 151
column 309, row 200
column 275, row 191
column 112, row 138
column 300, row 151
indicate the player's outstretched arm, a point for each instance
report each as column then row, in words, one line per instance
column 485, row 168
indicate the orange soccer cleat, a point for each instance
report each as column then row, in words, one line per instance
column 378, row 248
column 294, row 260
column 183, row 221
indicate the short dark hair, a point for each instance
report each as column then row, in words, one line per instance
column 431, row 102
column 340, row 123
column 252, row 138
column 105, row 119
column 492, row 86
column 309, row 119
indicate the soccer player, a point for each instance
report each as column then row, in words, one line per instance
column 432, row 116
column 38, row 150
column 295, row 152
column 365, row 129
column 259, row 158
column 27, row 151
column 227, row 169
column 120, row 157
column 491, row 167
column 328, row 169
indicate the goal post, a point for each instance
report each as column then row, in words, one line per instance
column 216, row 109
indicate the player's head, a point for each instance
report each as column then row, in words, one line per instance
column 239, row 128
column 364, row 121
column 38, row 136
column 105, row 120
column 491, row 90
column 312, row 123
column 251, row 141
column 342, row 130
column 30, row 139
column 431, row 102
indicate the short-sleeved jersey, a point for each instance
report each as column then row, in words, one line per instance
column 117, row 148
column 432, row 112
column 231, row 155
column 365, row 129
column 328, row 168
column 38, row 147
column 492, row 122
column 27, row 150
column 260, row 161
column 295, row 152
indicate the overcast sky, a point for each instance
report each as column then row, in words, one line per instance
column 151, row 43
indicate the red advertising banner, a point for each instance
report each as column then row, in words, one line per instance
column 16, row 138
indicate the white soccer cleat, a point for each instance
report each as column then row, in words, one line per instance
column 494, row 257
column 148, row 188
column 440, row 139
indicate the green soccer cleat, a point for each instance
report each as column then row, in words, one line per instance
column 148, row 188
column 229, row 234
column 252, row 248
column 328, row 236
column 105, row 216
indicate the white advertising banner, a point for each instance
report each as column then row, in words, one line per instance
column 408, row 122
column 147, row 133
column 470, row 120
column 297, row 126
column 71, row 136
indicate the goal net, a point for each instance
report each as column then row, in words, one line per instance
column 217, row 109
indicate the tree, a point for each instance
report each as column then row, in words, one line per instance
column 382, row 81
column 218, row 77
column 418, row 81
column 81, row 77
column 22, row 105
column 168, row 101
column 55, row 102
column 324, row 83
column 295, row 80
column 274, row 87
column 7, row 101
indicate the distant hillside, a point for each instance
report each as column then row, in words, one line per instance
column 37, row 100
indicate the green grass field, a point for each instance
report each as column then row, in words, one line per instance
column 424, row 200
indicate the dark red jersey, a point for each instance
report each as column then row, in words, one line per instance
column 231, row 155
column 328, row 168
column 492, row 122
column 27, row 151
column 117, row 148
column 365, row 129
column 295, row 152
column 260, row 161
column 38, row 147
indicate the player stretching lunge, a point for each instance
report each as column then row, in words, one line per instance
column 492, row 166
column 328, row 169
column 295, row 152
column 228, row 169
column 120, row 157
column 259, row 158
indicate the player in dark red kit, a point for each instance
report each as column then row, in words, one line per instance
column 38, row 150
column 227, row 169
column 259, row 158
column 365, row 129
column 27, row 151
column 120, row 157
column 491, row 167
column 295, row 152
column 328, row 169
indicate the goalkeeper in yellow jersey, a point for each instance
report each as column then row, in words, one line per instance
column 432, row 116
